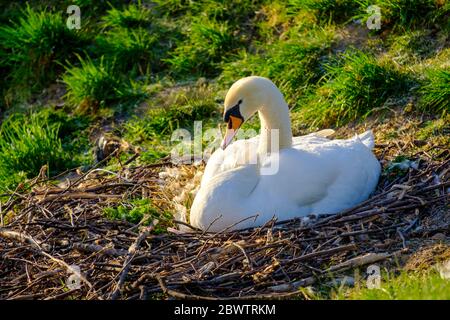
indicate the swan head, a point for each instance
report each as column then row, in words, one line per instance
column 244, row 98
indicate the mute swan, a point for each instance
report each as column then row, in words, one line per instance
column 313, row 175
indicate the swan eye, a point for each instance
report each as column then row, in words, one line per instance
column 234, row 111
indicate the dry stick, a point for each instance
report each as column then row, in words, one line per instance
column 181, row 295
column 80, row 195
column 24, row 238
column 131, row 253
column 93, row 248
column 349, row 264
column 363, row 260
column 62, row 295
column 21, row 237
column 308, row 256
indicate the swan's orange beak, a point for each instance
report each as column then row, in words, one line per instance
column 234, row 123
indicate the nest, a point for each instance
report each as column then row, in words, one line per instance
column 54, row 237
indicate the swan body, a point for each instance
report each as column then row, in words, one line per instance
column 248, row 182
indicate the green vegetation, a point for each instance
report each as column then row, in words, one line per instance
column 33, row 47
column 407, row 286
column 436, row 92
column 171, row 111
column 139, row 211
column 354, row 88
column 292, row 64
column 209, row 42
column 129, row 17
column 26, row 145
column 92, row 85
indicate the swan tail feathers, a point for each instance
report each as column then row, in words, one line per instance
column 367, row 138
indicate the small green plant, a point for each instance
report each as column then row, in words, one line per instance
column 131, row 16
column 326, row 10
column 27, row 144
column 407, row 286
column 354, row 88
column 33, row 46
column 134, row 51
column 209, row 42
column 292, row 64
column 435, row 93
column 135, row 211
column 178, row 109
column 409, row 13
column 95, row 84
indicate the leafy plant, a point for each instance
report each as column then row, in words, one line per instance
column 33, row 46
column 95, row 84
column 293, row 65
column 136, row 51
column 209, row 42
column 27, row 144
column 354, row 88
column 136, row 210
column 436, row 91
column 131, row 16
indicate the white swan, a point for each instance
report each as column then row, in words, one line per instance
column 312, row 175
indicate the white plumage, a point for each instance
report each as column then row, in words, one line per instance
column 314, row 175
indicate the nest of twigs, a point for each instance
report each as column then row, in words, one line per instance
column 52, row 234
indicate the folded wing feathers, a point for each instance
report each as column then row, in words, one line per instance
column 367, row 139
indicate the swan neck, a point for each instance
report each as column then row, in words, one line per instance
column 275, row 115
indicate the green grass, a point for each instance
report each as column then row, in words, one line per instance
column 407, row 14
column 96, row 84
column 131, row 16
column 435, row 93
column 293, row 64
column 33, row 47
column 138, row 210
column 436, row 127
column 171, row 111
column 27, row 143
column 136, row 40
column 73, row 131
column 133, row 51
column 354, row 87
column 336, row 10
column 407, row 286
column 208, row 43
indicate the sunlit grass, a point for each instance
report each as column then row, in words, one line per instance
column 95, row 84
column 208, row 43
column 176, row 110
column 435, row 93
column 33, row 47
column 407, row 286
column 131, row 16
column 26, row 144
column 140, row 211
column 355, row 87
column 293, row 64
